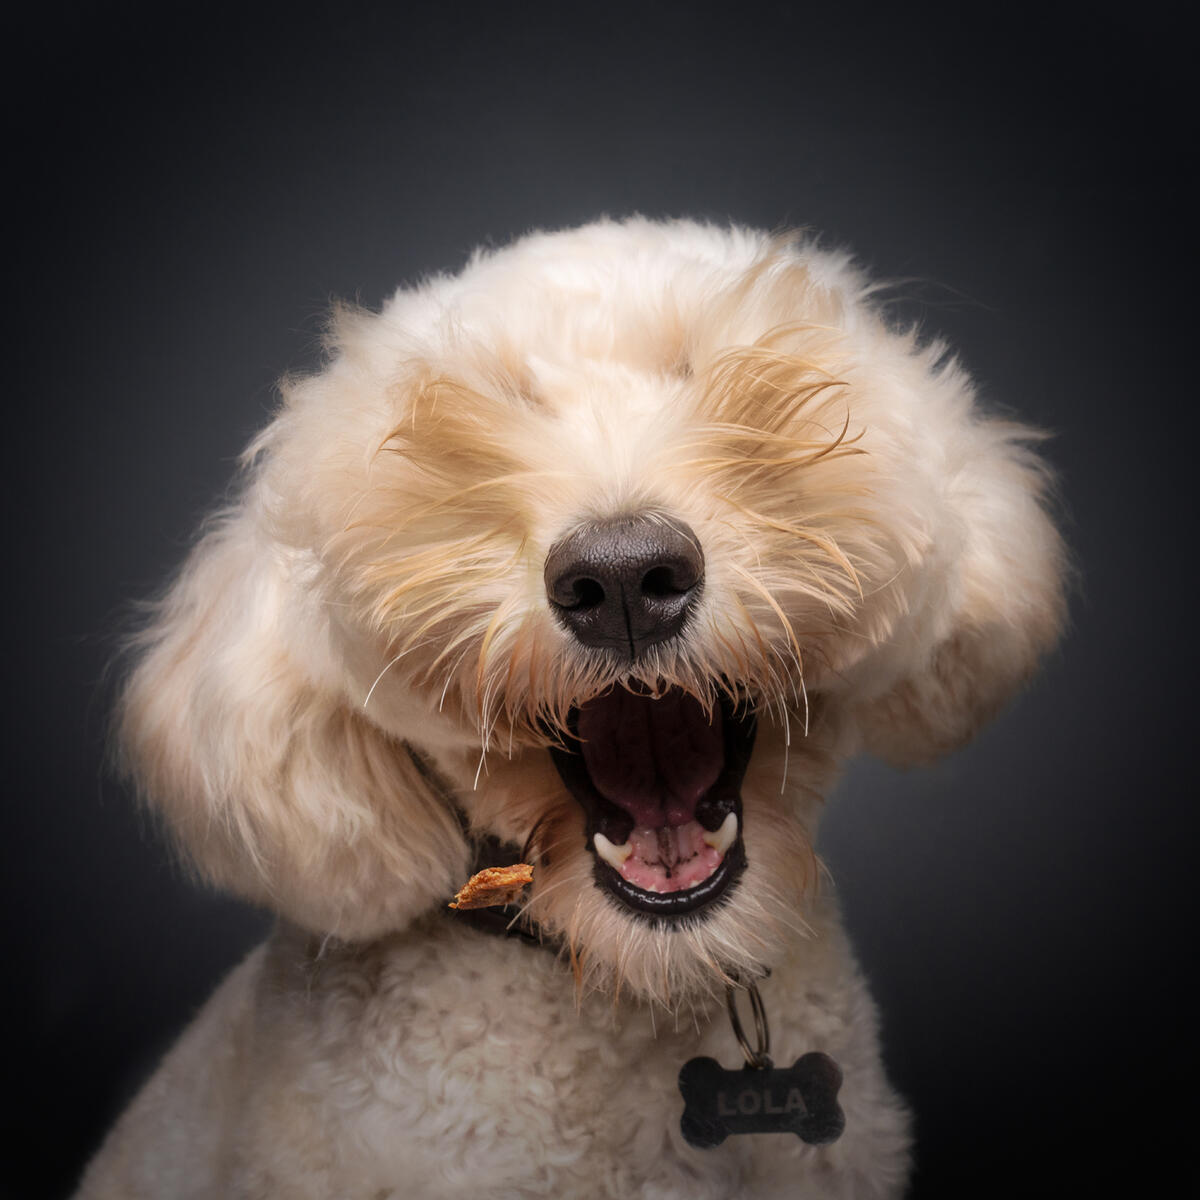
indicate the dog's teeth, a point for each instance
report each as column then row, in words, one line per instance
column 720, row 840
column 615, row 856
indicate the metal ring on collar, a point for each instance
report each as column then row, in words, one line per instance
column 755, row 1057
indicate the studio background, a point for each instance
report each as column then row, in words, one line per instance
column 196, row 183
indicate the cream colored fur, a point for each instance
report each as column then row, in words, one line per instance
column 364, row 636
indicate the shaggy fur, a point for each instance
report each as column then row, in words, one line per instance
column 362, row 644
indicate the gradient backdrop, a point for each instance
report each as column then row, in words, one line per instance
column 195, row 182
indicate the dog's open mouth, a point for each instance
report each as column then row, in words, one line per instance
column 660, row 781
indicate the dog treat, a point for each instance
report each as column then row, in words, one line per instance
column 493, row 885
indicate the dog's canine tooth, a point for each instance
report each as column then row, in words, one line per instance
column 615, row 856
column 721, row 839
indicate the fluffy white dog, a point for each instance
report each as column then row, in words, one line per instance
column 609, row 550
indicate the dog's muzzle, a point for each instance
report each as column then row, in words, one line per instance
column 657, row 773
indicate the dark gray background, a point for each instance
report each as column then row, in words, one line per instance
column 194, row 183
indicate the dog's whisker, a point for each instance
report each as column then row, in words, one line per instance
column 450, row 676
column 541, row 895
column 479, row 768
column 386, row 669
column 787, row 747
column 531, row 838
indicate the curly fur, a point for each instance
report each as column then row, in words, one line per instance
column 361, row 643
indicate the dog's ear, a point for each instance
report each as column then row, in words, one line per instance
column 237, row 728
column 986, row 603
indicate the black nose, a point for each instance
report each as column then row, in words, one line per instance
column 626, row 583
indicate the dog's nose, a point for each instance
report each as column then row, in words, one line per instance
column 625, row 583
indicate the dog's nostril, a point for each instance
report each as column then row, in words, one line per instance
column 672, row 580
column 586, row 593
column 625, row 583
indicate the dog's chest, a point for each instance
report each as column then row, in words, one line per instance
column 450, row 1060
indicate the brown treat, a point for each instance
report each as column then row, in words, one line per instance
column 493, row 885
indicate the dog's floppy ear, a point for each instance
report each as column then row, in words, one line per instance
column 990, row 601
column 236, row 725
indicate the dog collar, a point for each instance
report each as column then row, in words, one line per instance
column 504, row 920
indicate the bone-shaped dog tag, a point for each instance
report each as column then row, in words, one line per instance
column 801, row 1099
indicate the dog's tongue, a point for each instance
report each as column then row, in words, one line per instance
column 654, row 758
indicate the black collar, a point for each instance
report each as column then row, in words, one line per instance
column 490, row 851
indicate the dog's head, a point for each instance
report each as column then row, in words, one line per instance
column 614, row 544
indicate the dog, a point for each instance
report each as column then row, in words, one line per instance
column 598, row 557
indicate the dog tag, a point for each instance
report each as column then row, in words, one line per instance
column 801, row 1099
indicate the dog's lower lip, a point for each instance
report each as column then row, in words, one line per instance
column 674, row 904
column 725, row 846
